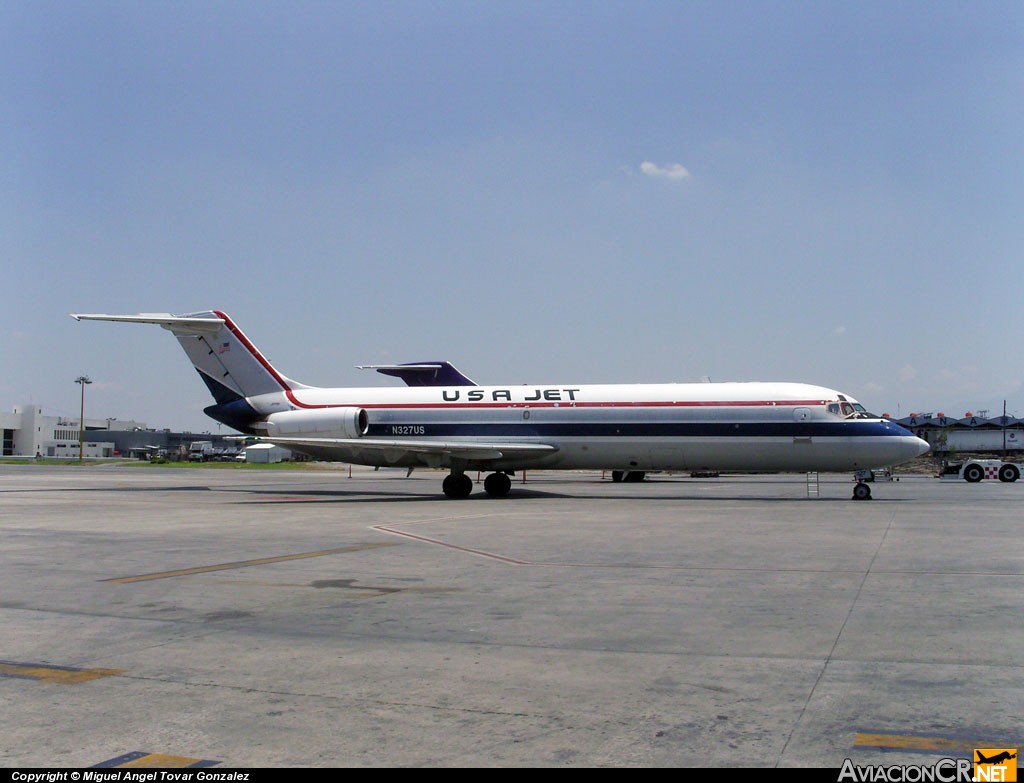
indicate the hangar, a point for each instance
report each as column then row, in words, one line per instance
column 970, row 433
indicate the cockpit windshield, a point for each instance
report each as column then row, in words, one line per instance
column 850, row 410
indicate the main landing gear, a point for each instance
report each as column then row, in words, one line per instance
column 497, row 485
column 629, row 476
column 459, row 485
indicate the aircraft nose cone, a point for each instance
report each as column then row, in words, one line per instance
column 911, row 447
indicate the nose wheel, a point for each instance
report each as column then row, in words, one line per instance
column 861, row 491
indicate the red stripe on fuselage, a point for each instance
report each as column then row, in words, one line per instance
column 576, row 404
column 252, row 349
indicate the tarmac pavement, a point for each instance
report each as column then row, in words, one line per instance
column 236, row 618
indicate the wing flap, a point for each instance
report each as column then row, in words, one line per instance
column 393, row 449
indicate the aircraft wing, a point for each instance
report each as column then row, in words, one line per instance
column 393, row 450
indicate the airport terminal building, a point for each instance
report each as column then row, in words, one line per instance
column 27, row 432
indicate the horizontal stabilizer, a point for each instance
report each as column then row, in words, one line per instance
column 229, row 364
column 174, row 323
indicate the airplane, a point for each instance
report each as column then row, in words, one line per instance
column 443, row 420
column 1004, row 756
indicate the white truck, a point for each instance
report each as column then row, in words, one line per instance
column 201, row 451
column 974, row 470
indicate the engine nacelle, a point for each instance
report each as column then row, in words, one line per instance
column 318, row 423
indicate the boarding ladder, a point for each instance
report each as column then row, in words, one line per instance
column 812, row 484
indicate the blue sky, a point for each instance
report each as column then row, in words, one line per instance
column 535, row 191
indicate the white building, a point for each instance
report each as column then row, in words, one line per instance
column 27, row 432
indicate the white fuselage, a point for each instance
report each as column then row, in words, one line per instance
column 706, row 426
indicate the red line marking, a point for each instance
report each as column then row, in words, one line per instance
column 426, row 540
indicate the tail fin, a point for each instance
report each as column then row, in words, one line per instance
column 231, row 366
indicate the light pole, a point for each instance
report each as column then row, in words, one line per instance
column 82, row 380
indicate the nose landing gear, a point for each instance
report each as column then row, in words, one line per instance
column 861, row 491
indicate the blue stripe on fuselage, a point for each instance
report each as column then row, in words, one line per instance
column 536, row 429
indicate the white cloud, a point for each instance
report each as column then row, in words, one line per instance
column 908, row 373
column 962, row 379
column 671, row 171
column 840, row 330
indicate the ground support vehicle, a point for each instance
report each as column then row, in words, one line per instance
column 975, row 470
